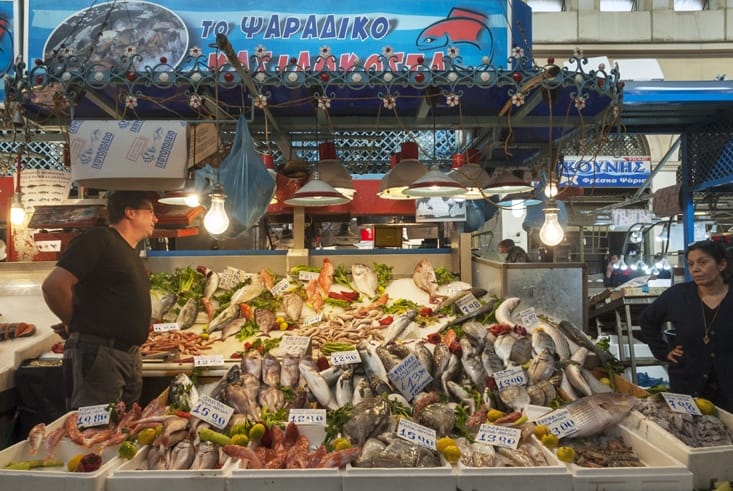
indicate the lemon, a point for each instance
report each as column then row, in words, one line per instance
column 494, row 414
column 566, row 454
column 451, row 453
column 256, row 432
column 549, row 440
column 204, row 336
column 705, row 406
column 146, row 436
column 605, row 381
column 541, row 430
column 283, row 326
column 127, row 450
column 73, row 462
column 444, row 442
column 240, row 439
column 341, row 444
column 522, row 419
column 280, row 320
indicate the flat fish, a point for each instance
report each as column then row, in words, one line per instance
column 265, row 319
column 365, row 279
column 271, row 370
column 424, row 277
column 293, row 306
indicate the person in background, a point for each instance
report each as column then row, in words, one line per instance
column 615, row 275
column 700, row 311
column 514, row 253
column 100, row 291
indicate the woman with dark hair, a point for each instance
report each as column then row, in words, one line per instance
column 700, row 311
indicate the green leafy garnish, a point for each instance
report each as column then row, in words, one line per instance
column 402, row 305
column 249, row 329
column 335, row 420
column 337, row 302
column 384, row 274
column 461, row 419
column 295, row 270
column 185, row 282
column 341, row 275
column 443, row 276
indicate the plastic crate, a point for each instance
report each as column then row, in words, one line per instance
column 705, row 463
column 285, row 479
column 405, row 479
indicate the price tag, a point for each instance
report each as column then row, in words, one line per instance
column 88, row 416
column 415, row 433
column 454, row 290
column 529, row 317
column 231, row 277
column 208, row 361
column 280, row 287
column 468, row 304
column 559, row 422
column 316, row 319
column 499, row 436
column 307, row 416
column 681, row 403
column 212, row 411
column 410, row 376
column 511, row 376
column 166, row 326
column 345, row 357
column 306, row 276
column 295, row 345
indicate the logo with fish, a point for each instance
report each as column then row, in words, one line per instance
column 462, row 28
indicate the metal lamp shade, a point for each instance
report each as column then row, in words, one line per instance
column 316, row 193
column 396, row 181
column 434, row 184
column 506, row 182
column 474, row 178
column 334, row 173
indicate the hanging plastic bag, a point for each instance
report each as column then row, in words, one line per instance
column 247, row 183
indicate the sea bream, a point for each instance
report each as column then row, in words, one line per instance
column 399, row 326
column 188, row 313
column 365, row 279
column 424, row 277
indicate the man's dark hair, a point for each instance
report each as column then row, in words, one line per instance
column 506, row 243
column 117, row 201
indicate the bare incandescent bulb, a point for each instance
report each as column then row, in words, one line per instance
column 216, row 220
column 551, row 233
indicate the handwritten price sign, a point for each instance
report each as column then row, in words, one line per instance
column 280, row 287
column 306, row 276
column 208, row 361
column 559, row 422
column 681, row 403
column 295, row 345
column 529, row 317
column 307, row 416
column 468, row 304
column 345, row 357
column 166, row 326
column 510, row 376
column 89, row 416
column 415, row 433
column 410, row 376
column 499, row 436
column 212, row 411
column 231, row 277
column 316, row 319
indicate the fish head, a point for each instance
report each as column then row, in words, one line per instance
column 615, row 402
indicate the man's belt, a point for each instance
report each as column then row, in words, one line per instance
column 101, row 341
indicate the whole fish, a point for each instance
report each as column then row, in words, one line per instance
column 225, row 317
column 542, row 341
column 345, row 387
column 425, row 357
column 365, row 279
column 231, row 377
column 237, row 397
column 424, row 277
column 233, row 328
column 293, row 305
column 252, row 363
column 362, row 390
column 490, row 360
column 172, row 426
column 462, row 395
column 160, row 304
column 599, row 412
column 505, row 309
column 503, row 347
column 181, row 455
column 271, row 398
column 521, row 351
column 155, row 460
column 515, row 397
column 370, row 417
column 471, row 362
column 477, row 332
column 317, row 385
column 332, row 373
column 271, row 370
column 581, row 339
column 562, row 347
column 441, row 357
column 265, row 319
column 207, row 457
column 439, row 416
column 289, row 371
column 212, row 282
column 451, row 372
column 398, row 326
column 248, row 292
column 542, row 367
column 575, row 376
column 596, row 386
column 388, row 359
column 566, row 389
column 371, row 362
column 182, row 393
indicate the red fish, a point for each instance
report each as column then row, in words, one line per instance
column 461, row 26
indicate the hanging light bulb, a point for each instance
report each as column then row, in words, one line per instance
column 551, row 190
column 216, row 220
column 551, row 233
column 518, row 208
column 17, row 211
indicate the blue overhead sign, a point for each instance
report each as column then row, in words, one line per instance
column 605, row 171
column 479, row 31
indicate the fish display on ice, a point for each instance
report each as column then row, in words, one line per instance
column 365, row 279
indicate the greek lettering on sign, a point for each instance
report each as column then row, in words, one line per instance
column 307, row 416
column 528, row 317
column 89, row 416
column 416, row 433
column 208, row 361
column 410, row 376
column 231, row 277
column 559, row 422
column 166, row 326
column 511, row 376
column 212, row 411
column 316, row 319
column 345, row 357
column 280, row 287
column 681, row 403
column 295, row 345
column 468, row 304
column 499, row 436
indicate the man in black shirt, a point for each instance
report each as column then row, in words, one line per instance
column 101, row 292
column 514, row 253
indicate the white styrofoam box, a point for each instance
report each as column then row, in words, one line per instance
column 56, row 478
column 285, row 479
column 405, row 479
column 661, row 471
column 127, row 477
column 552, row 477
column 705, row 463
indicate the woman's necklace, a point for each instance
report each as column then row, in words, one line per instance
column 708, row 326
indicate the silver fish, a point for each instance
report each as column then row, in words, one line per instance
column 271, row 370
column 562, row 347
column 451, row 371
column 237, row 397
column 233, row 328
column 575, row 376
column 345, row 387
column 566, row 388
column 521, row 351
column 505, row 309
column 515, row 397
column 212, row 283
column 490, row 360
column 596, row 386
column 252, row 363
column 398, row 326
column 265, row 319
column 542, row 367
column 373, row 366
column 225, row 317
column 581, row 339
column 160, row 304
column 598, row 412
column 181, row 455
column 398, row 398
column 331, row 374
column 471, row 362
column 542, row 341
column 365, row 279
column 248, row 292
column 542, row 393
column 462, row 395
column 182, row 393
column 293, row 306
column 425, row 357
column 388, row 359
column 441, row 357
column 424, row 277
column 362, row 390
column 207, row 457
column 503, row 347
column 317, row 385
column 271, row 398
column 250, row 384
column 289, row 372
column 477, row 332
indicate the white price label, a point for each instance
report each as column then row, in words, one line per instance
column 212, row 411
column 231, row 277
column 307, row 417
column 511, row 376
column 410, row 376
column 48, row 245
column 208, row 361
column 499, row 436
column 559, row 422
column 681, row 403
column 468, row 304
column 280, row 287
column 295, row 345
column 345, row 357
column 166, row 326
column 316, row 319
column 88, row 416
column 416, row 433
column 454, row 290
column 306, row 276
column 528, row 317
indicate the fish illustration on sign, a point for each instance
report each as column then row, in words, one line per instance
column 462, row 26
